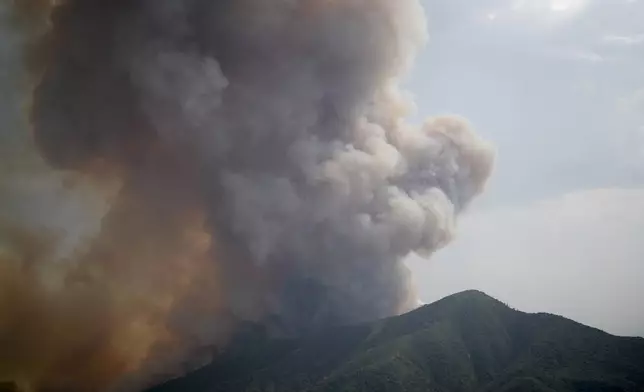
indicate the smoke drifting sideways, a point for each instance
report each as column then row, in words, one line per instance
column 204, row 163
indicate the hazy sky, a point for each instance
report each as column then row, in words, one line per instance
column 558, row 86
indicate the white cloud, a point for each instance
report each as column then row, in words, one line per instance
column 533, row 14
column 557, row 6
column 623, row 40
column 631, row 141
column 633, row 103
column 579, row 55
column 580, row 255
column 552, row 10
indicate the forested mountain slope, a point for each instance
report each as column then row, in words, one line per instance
column 465, row 342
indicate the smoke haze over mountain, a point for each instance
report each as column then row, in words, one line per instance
column 196, row 164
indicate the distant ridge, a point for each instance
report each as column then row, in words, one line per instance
column 465, row 342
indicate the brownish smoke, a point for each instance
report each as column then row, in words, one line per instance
column 83, row 322
column 211, row 162
column 80, row 323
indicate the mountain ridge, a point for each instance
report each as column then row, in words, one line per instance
column 465, row 342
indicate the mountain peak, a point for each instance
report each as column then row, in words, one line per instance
column 469, row 295
column 461, row 302
column 465, row 342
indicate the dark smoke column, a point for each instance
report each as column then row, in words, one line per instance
column 282, row 121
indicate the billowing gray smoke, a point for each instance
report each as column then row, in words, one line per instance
column 273, row 129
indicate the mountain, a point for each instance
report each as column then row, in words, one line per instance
column 462, row 343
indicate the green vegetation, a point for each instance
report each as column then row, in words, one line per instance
column 465, row 342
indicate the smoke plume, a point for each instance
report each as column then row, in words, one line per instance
column 197, row 163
